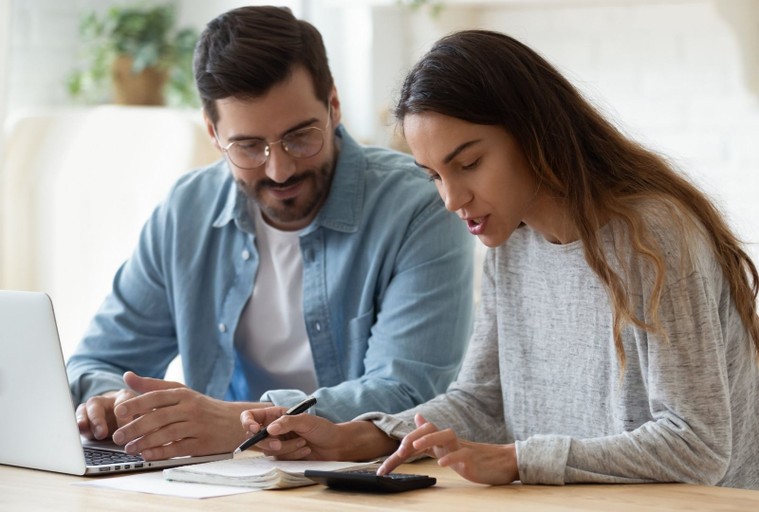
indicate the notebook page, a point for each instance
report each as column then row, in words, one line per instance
column 259, row 471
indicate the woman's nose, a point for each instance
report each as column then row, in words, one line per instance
column 453, row 195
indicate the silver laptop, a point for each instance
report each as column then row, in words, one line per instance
column 38, row 427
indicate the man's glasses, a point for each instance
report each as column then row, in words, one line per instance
column 253, row 153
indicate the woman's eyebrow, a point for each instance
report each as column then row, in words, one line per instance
column 450, row 156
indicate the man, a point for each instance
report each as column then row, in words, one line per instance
column 302, row 263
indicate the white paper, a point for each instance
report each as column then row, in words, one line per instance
column 152, row 482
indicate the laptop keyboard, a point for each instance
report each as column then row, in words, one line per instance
column 97, row 457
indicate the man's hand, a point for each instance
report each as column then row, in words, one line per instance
column 493, row 464
column 309, row 437
column 164, row 419
column 95, row 417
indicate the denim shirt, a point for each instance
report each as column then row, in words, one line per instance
column 387, row 291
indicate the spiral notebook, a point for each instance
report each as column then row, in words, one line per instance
column 258, row 471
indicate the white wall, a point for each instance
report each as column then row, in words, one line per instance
column 5, row 18
column 674, row 75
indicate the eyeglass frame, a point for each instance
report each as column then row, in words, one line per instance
column 267, row 147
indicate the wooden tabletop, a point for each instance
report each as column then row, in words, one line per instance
column 31, row 490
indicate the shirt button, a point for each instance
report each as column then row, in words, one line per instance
column 222, row 328
column 246, row 255
column 318, row 327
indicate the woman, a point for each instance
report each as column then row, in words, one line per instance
column 618, row 335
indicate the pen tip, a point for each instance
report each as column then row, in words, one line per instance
column 237, row 450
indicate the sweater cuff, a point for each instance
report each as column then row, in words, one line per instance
column 283, row 397
column 543, row 459
column 391, row 425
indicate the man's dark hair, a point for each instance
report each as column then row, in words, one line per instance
column 244, row 52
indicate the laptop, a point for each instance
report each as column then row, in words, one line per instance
column 38, row 429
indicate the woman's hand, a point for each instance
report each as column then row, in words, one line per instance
column 493, row 464
column 309, row 437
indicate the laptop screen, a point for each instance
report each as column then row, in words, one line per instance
column 39, row 427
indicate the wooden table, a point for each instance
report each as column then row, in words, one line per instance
column 30, row 490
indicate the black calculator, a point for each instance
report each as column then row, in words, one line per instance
column 363, row 480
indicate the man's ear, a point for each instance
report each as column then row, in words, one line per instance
column 211, row 130
column 334, row 104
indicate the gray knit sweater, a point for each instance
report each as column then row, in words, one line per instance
column 541, row 371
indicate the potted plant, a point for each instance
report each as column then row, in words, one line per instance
column 135, row 55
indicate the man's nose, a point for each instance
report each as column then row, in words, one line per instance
column 280, row 166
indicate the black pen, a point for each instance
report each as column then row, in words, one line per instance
column 263, row 433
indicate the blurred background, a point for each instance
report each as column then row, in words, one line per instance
column 80, row 171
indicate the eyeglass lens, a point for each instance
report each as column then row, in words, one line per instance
column 252, row 153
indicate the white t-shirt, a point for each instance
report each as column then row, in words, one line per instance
column 272, row 334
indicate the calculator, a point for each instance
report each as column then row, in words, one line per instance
column 363, row 480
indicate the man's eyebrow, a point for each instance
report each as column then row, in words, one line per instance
column 303, row 124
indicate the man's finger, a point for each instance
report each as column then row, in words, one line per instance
column 145, row 403
column 96, row 414
column 146, row 384
column 83, row 422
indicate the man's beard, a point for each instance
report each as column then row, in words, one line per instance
column 292, row 210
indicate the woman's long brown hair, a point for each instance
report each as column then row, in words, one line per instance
column 488, row 78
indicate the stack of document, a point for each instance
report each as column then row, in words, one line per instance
column 260, row 472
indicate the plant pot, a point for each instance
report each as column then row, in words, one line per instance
column 144, row 88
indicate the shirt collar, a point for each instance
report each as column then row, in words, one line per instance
column 234, row 207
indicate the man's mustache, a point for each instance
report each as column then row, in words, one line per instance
column 292, row 180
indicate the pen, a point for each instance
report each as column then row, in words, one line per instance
column 263, row 434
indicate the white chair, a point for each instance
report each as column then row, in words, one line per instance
column 77, row 186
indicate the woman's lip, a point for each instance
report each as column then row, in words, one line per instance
column 476, row 225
